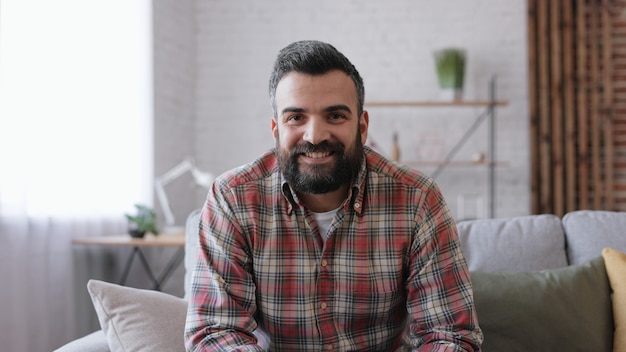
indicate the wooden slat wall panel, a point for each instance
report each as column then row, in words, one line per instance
column 582, row 161
column 568, row 106
column 607, row 102
column 545, row 155
column 532, row 104
column 619, row 99
column 556, row 112
column 574, row 123
column 596, row 166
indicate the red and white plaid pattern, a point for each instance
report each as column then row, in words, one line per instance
column 392, row 258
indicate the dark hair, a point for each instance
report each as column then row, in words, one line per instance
column 313, row 57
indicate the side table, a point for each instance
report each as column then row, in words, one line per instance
column 150, row 240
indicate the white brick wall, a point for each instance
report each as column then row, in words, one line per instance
column 391, row 43
column 175, row 70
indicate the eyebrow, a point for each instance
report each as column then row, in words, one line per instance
column 331, row 108
column 338, row 107
column 291, row 109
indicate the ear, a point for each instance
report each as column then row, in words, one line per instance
column 364, row 122
column 274, row 129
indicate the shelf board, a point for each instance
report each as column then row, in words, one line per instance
column 467, row 163
column 435, row 103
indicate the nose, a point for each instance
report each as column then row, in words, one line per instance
column 316, row 131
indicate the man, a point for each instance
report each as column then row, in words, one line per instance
column 323, row 243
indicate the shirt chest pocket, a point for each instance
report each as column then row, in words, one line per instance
column 376, row 296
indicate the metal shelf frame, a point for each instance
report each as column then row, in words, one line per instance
column 489, row 115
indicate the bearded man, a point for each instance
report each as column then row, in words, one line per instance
column 322, row 243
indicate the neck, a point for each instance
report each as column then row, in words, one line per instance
column 320, row 203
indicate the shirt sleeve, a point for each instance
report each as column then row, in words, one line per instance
column 220, row 315
column 440, row 303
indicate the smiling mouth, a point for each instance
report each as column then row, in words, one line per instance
column 317, row 155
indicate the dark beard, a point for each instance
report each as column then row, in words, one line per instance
column 319, row 179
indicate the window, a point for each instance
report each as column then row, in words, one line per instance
column 75, row 106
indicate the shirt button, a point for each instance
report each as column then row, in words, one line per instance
column 324, row 305
column 324, row 262
column 329, row 347
column 357, row 205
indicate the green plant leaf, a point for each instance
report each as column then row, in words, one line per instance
column 450, row 63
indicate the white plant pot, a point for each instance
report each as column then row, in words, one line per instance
column 451, row 94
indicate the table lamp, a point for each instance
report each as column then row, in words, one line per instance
column 201, row 178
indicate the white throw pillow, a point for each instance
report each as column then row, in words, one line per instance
column 138, row 320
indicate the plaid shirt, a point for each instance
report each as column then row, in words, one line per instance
column 392, row 258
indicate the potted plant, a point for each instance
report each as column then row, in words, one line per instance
column 450, row 64
column 142, row 222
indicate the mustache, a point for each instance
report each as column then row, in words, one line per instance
column 324, row 146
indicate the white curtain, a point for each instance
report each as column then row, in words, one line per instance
column 75, row 151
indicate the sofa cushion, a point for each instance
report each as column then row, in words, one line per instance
column 525, row 243
column 138, row 320
column 566, row 309
column 191, row 246
column 589, row 231
column 94, row 342
column 615, row 262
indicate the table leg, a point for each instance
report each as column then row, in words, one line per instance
column 129, row 262
column 169, row 269
column 146, row 267
column 173, row 263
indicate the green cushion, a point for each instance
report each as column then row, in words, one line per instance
column 565, row 309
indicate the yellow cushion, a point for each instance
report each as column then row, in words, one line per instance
column 615, row 262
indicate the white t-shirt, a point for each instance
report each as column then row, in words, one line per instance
column 323, row 222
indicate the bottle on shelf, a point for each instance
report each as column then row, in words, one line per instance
column 395, row 151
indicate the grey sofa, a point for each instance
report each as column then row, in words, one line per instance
column 511, row 260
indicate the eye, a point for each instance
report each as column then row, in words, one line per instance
column 335, row 116
column 294, row 118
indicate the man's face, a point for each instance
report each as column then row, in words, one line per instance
column 319, row 137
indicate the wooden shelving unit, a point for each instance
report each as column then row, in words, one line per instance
column 488, row 114
column 467, row 163
column 474, row 103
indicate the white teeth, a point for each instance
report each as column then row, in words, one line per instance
column 317, row 155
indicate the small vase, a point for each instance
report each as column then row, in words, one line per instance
column 136, row 233
column 451, row 94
